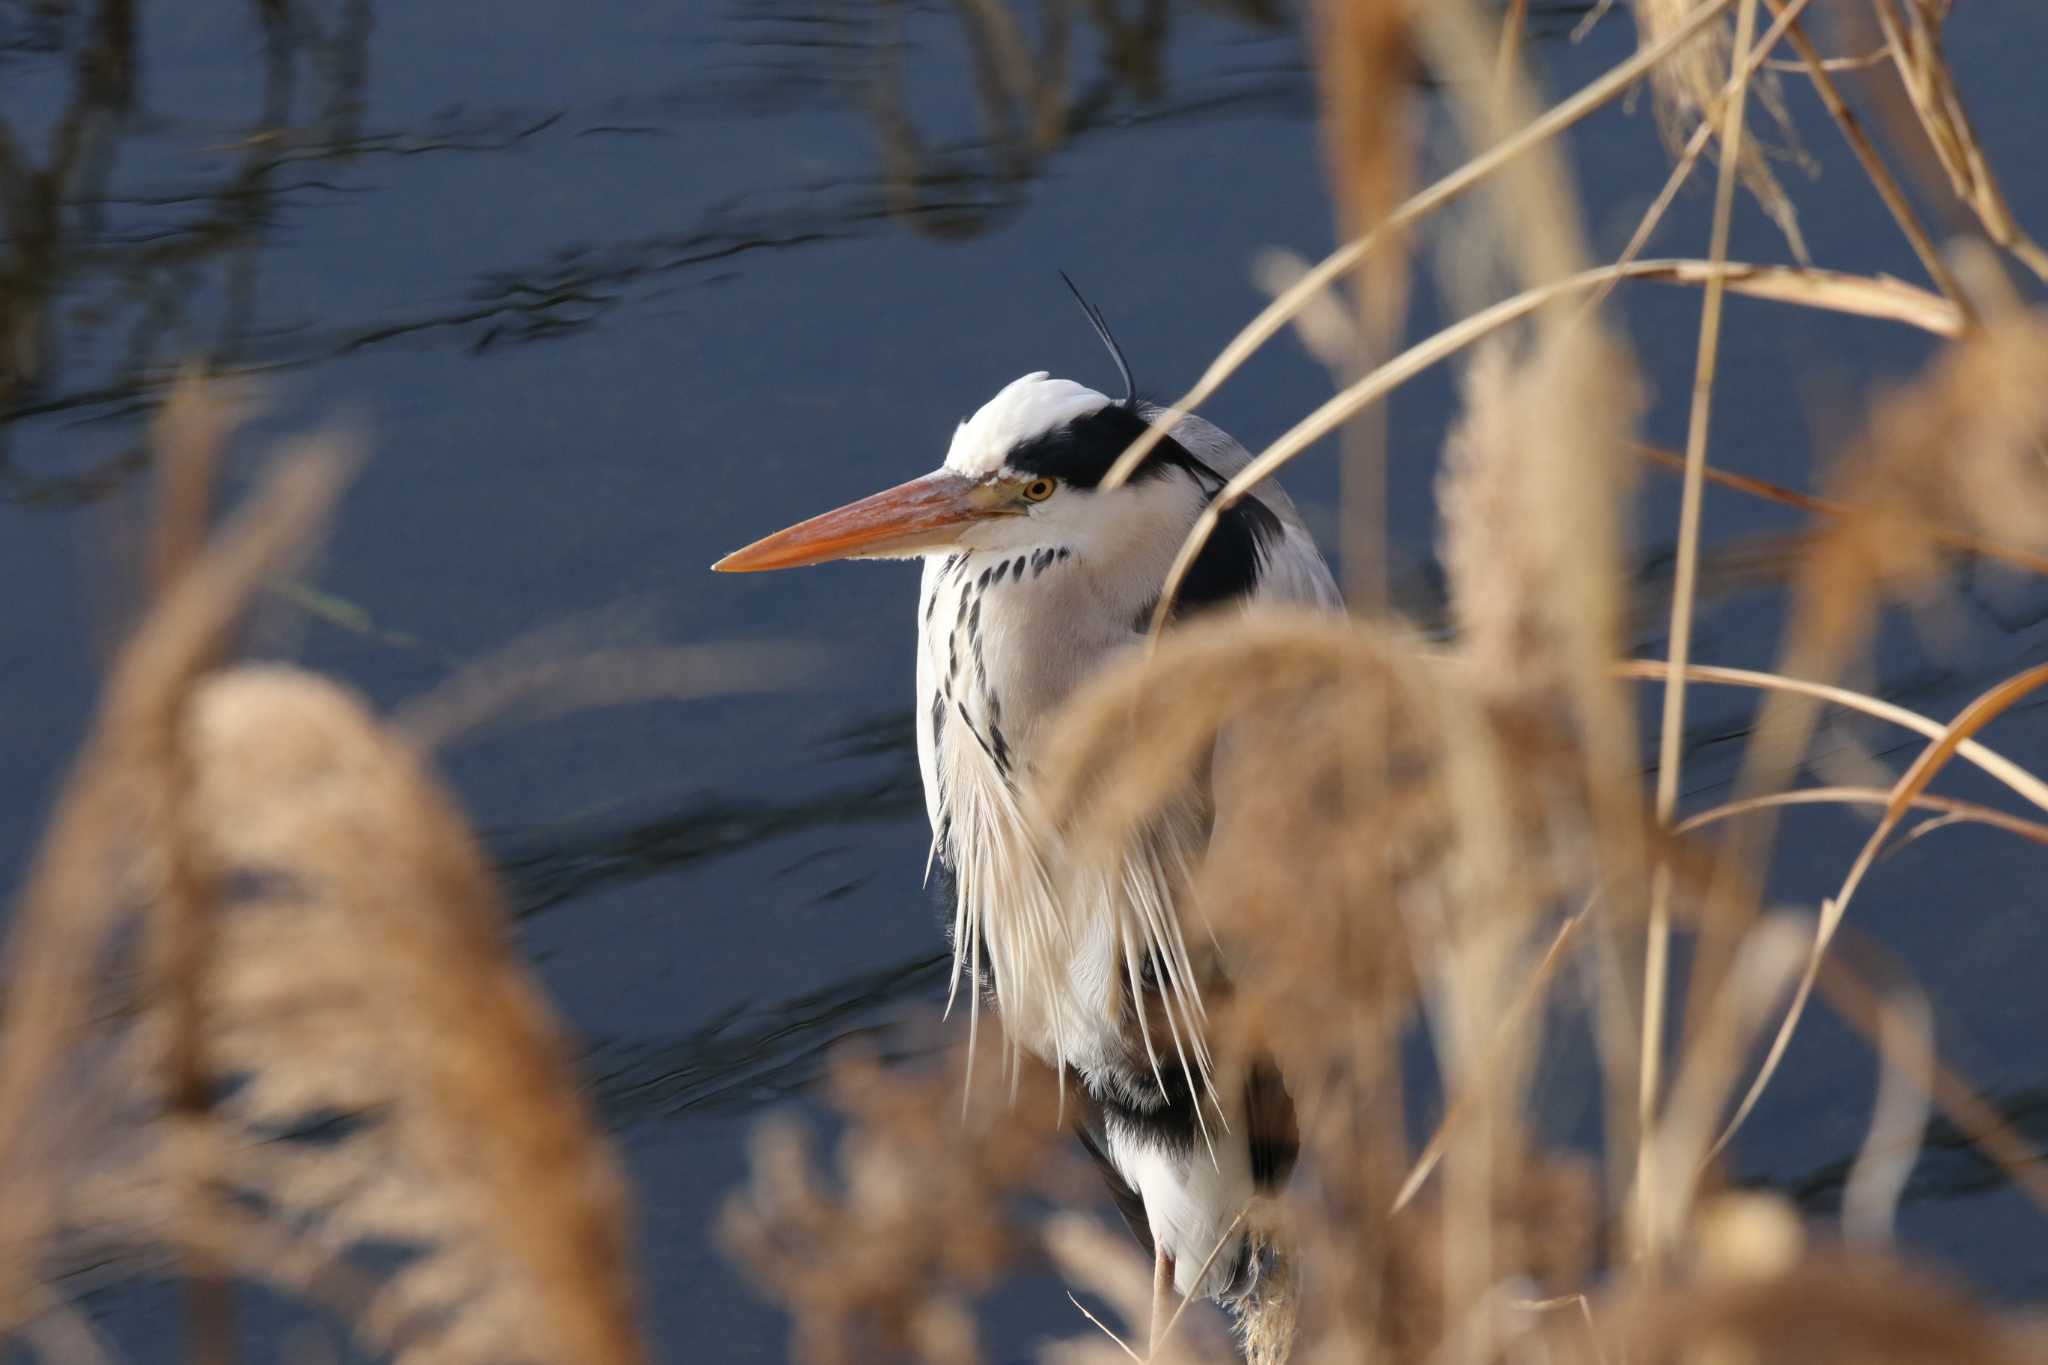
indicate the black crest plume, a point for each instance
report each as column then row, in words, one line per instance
column 1116, row 352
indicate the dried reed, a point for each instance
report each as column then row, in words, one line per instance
column 331, row 1054
column 263, row 1018
column 1408, row 834
column 1688, row 86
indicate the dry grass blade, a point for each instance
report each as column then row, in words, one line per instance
column 1106, row 1330
column 1828, row 290
column 2000, row 767
column 1911, row 784
column 1657, row 942
column 1276, row 314
column 1766, row 965
column 1686, row 86
column 1688, row 156
column 1532, row 994
column 1871, row 296
column 1085, row 1253
column 1960, row 541
column 1874, row 167
column 1960, row 447
column 1952, row 810
column 1915, row 47
column 1987, row 1130
column 1870, row 1198
column 1514, row 22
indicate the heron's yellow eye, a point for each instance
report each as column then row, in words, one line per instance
column 1038, row 490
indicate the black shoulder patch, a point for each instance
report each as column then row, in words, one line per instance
column 1229, row 565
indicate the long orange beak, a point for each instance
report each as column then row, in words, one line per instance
column 906, row 520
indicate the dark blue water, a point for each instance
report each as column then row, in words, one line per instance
column 614, row 288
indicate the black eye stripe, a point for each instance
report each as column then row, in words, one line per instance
column 1082, row 451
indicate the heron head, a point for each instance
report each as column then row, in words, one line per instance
column 1022, row 473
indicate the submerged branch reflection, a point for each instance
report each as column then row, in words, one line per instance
column 1951, row 1164
column 751, row 1056
column 543, row 871
column 143, row 278
column 141, row 293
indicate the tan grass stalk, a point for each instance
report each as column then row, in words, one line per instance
column 1686, row 85
column 1953, row 811
column 1532, row 994
column 2004, row 769
column 1276, row 315
column 1514, row 22
column 1364, row 67
column 1657, row 942
column 187, row 435
column 1827, row 290
column 1987, row 1131
column 1867, row 156
column 1531, row 494
column 1974, row 717
column 1962, row 447
column 1105, row 1329
column 1703, row 131
column 1765, row 966
column 1898, row 1119
column 181, row 937
column 1915, row 47
column 1949, row 537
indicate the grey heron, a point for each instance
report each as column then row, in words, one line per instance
column 1036, row 576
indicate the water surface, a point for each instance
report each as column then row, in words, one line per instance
column 613, row 288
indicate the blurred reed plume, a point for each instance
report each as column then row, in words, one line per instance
column 1687, row 86
column 263, row 1023
column 1450, row 843
column 869, row 1270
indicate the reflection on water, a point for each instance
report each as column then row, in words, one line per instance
column 745, row 1058
column 135, row 281
column 138, row 282
column 1951, row 1165
column 1029, row 104
column 545, row 869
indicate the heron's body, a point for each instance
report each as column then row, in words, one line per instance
column 1026, row 594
